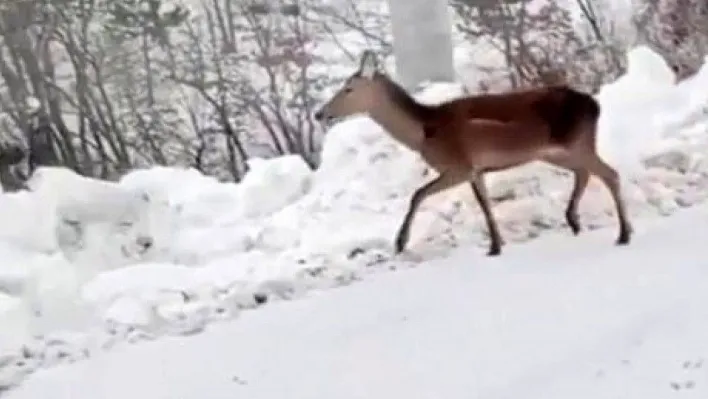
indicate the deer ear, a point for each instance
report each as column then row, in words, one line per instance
column 369, row 64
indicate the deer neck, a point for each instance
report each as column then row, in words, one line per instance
column 401, row 125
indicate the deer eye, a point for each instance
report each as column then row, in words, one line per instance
column 347, row 90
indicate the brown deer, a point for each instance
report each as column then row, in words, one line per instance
column 464, row 138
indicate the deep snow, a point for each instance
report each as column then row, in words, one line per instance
column 82, row 280
column 552, row 319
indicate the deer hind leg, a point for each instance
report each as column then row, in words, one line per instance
column 611, row 179
column 444, row 181
column 479, row 188
column 582, row 177
column 581, row 180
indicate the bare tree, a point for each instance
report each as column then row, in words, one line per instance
column 250, row 63
column 676, row 29
column 59, row 53
column 130, row 83
column 538, row 43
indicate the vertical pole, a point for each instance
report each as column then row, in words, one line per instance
column 422, row 41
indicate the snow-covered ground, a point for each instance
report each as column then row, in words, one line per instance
column 552, row 319
column 86, row 264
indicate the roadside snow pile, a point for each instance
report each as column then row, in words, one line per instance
column 640, row 97
column 98, row 224
column 218, row 219
column 26, row 222
column 217, row 248
column 61, row 234
column 268, row 186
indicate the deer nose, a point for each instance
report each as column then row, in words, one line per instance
column 318, row 115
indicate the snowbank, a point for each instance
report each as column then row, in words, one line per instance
column 634, row 108
column 218, row 247
column 95, row 222
column 15, row 319
column 26, row 222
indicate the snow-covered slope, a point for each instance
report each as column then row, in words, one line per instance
column 553, row 319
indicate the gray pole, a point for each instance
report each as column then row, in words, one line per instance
column 422, row 41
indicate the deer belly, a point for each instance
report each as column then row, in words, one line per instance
column 509, row 157
column 551, row 152
column 503, row 160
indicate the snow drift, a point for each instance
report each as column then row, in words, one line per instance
column 634, row 109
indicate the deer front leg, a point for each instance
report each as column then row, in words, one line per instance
column 480, row 192
column 444, row 181
column 581, row 179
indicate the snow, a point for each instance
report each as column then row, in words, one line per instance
column 626, row 322
column 33, row 105
column 78, row 277
column 628, row 139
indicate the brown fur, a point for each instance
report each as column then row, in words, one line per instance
column 561, row 108
column 464, row 138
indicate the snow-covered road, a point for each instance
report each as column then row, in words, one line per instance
column 561, row 317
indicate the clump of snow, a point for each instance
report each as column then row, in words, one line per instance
column 221, row 247
column 15, row 319
column 52, row 293
column 27, row 222
column 689, row 103
column 180, row 188
column 289, row 175
column 94, row 221
column 643, row 62
column 633, row 108
column 32, row 105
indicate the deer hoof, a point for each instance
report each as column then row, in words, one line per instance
column 575, row 228
column 573, row 223
column 625, row 235
column 400, row 244
column 623, row 239
column 494, row 251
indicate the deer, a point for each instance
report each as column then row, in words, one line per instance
column 465, row 138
